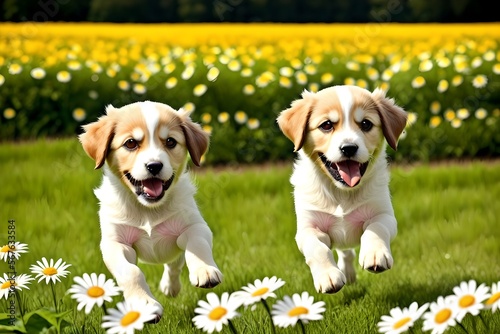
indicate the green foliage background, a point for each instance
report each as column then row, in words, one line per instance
column 119, row 71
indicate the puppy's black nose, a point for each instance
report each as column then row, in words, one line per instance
column 154, row 167
column 349, row 150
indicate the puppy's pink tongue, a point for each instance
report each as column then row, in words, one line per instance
column 152, row 187
column 349, row 171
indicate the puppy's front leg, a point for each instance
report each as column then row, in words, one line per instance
column 316, row 247
column 197, row 243
column 120, row 260
column 375, row 249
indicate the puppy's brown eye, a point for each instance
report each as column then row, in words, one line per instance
column 366, row 125
column 171, row 142
column 326, row 126
column 131, row 144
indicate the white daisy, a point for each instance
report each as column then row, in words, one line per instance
column 199, row 89
column 286, row 71
column 442, row 314
column 213, row 73
column 248, row 89
column 128, row 317
column 240, row 117
column 15, row 249
column 253, row 123
column 288, row 311
column 63, row 76
column 79, row 114
column 301, row 77
column 480, row 81
column 418, row 82
column 139, row 88
column 15, row 69
column 469, row 297
column 399, row 320
column 90, row 290
column 38, row 73
column 171, row 82
column 259, row 290
column 188, row 72
column 49, row 270
column 223, row 117
column 18, row 282
column 215, row 313
column 493, row 302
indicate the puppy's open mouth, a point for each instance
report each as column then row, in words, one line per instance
column 349, row 172
column 151, row 189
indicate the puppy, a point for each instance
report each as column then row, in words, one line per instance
column 341, row 179
column 147, row 209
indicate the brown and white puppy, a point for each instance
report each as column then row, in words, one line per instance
column 147, row 207
column 341, row 180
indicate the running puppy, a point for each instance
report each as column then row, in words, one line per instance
column 147, row 209
column 341, row 180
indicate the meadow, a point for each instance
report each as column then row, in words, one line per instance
column 448, row 233
column 54, row 77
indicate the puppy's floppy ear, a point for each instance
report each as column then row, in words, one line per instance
column 294, row 120
column 196, row 139
column 393, row 117
column 97, row 138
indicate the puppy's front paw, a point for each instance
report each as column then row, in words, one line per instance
column 329, row 281
column 206, row 277
column 375, row 259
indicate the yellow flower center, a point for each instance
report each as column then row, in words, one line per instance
column 95, row 292
column 50, row 271
column 217, row 313
column 6, row 285
column 493, row 299
column 129, row 318
column 466, row 301
column 296, row 311
column 401, row 323
column 260, row 292
column 5, row 249
column 442, row 316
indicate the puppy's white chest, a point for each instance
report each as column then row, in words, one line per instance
column 157, row 244
column 344, row 230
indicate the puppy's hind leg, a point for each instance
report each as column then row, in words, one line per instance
column 170, row 282
column 345, row 263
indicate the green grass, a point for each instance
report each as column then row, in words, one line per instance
column 448, row 232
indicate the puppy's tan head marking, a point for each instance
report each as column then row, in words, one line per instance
column 196, row 139
column 294, row 121
column 145, row 144
column 393, row 117
column 97, row 138
column 342, row 128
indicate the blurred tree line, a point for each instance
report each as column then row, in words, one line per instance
column 157, row 11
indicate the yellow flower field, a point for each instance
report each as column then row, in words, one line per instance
column 55, row 77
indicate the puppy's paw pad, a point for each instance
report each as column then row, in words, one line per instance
column 155, row 320
column 329, row 281
column 206, row 277
column 376, row 269
column 376, row 261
